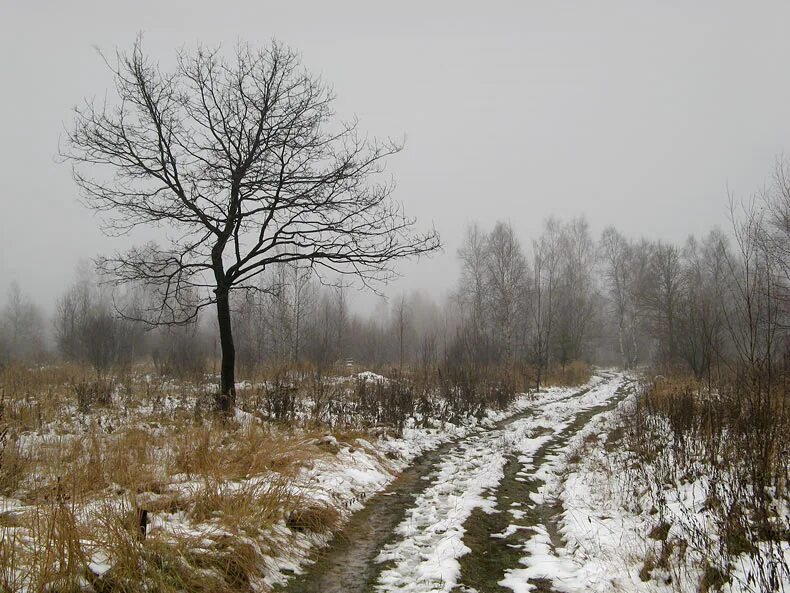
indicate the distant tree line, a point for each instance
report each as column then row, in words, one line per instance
column 705, row 307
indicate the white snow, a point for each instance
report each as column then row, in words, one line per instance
column 605, row 522
column 371, row 376
column 426, row 556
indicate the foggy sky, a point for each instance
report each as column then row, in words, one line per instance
column 635, row 114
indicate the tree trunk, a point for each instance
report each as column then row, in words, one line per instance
column 227, row 390
column 621, row 339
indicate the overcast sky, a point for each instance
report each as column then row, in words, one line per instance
column 636, row 114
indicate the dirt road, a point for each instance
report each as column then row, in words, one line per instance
column 458, row 517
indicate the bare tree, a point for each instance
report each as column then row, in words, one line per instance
column 243, row 161
column 704, row 267
column 5, row 348
column 251, row 326
column 751, row 309
column 341, row 320
column 618, row 255
column 71, row 311
column 401, row 321
column 775, row 230
column 491, row 295
column 546, row 251
column 472, row 290
column 575, row 292
column 302, row 301
column 663, row 299
column 22, row 324
column 86, row 329
column 506, row 275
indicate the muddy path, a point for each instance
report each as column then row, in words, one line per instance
column 348, row 564
column 497, row 540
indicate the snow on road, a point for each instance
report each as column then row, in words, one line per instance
column 541, row 559
column 425, row 556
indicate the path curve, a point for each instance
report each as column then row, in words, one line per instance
column 349, row 563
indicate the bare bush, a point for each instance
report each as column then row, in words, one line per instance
column 683, row 432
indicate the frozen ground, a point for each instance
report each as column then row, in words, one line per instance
column 612, row 532
column 425, row 548
column 595, row 526
column 426, row 555
column 532, row 498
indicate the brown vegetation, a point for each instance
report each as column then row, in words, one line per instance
column 731, row 442
column 80, row 465
column 82, row 455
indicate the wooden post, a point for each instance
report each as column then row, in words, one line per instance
column 142, row 521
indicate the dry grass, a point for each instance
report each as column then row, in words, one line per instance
column 44, row 551
column 735, row 435
column 168, row 561
column 83, row 454
column 669, row 386
column 210, row 450
column 250, row 508
column 318, row 518
column 571, row 375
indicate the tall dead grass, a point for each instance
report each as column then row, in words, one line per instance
column 570, row 375
column 733, row 442
column 83, row 454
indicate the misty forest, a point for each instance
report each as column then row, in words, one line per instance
column 229, row 395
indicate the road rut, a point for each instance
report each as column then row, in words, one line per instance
column 348, row 564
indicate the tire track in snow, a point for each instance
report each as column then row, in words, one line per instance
column 427, row 555
column 499, row 542
column 348, row 564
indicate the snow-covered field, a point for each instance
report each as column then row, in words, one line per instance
column 148, row 440
column 577, row 519
column 615, row 539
